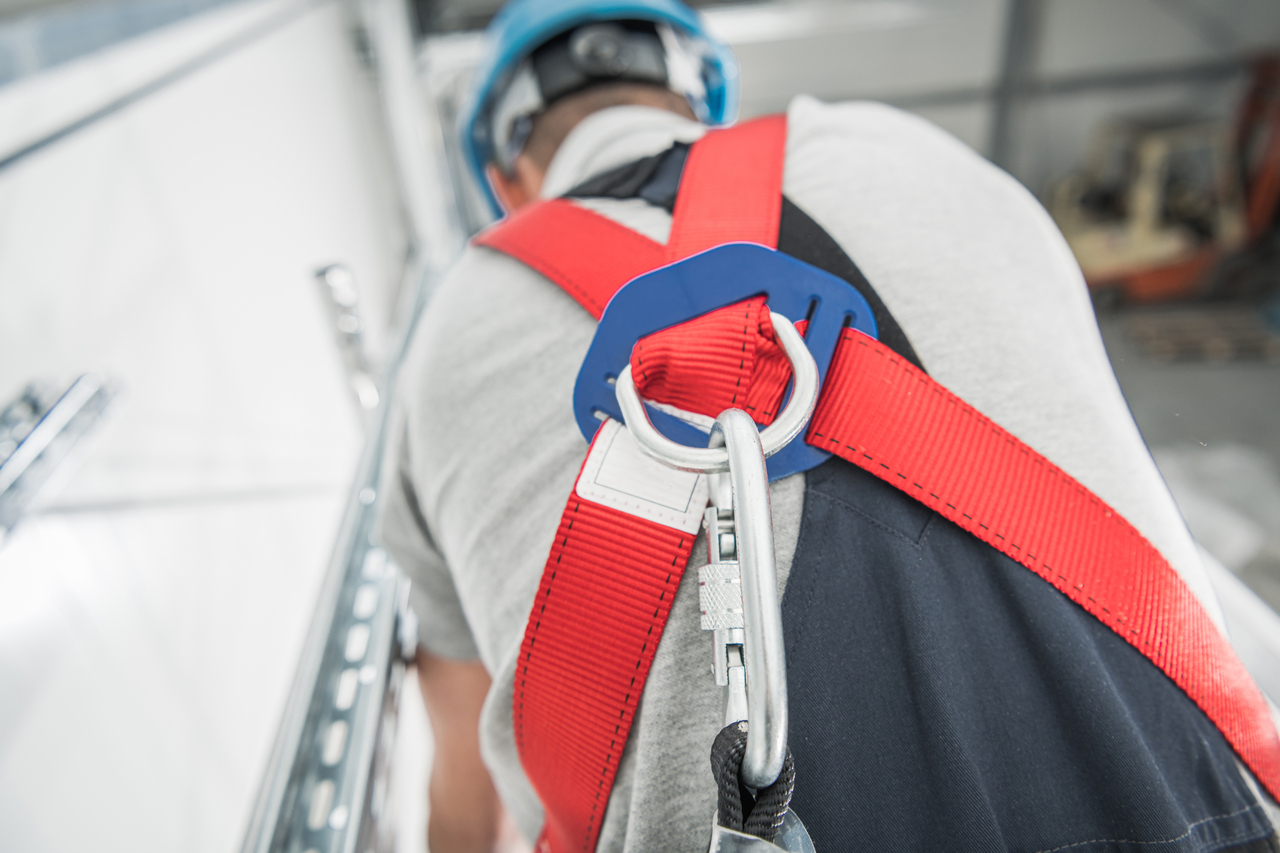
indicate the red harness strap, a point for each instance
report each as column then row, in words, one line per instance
column 731, row 189
column 697, row 367
column 589, row 256
column 599, row 612
column 886, row 416
column 577, row 687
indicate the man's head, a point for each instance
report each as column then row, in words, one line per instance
column 551, row 63
column 521, row 184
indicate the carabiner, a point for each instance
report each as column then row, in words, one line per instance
column 738, row 591
column 761, row 651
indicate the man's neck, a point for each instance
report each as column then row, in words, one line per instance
column 613, row 137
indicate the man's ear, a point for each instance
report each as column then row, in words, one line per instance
column 518, row 189
column 508, row 190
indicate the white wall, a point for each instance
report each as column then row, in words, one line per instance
column 150, row 621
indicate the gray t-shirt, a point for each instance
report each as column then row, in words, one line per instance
column 487, row 449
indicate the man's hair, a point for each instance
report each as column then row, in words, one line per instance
column 552, row 125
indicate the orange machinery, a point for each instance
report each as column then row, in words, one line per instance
column 1165, row 204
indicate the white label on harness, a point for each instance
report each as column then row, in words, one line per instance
column 618, row 474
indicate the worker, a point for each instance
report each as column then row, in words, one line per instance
column 942, row 696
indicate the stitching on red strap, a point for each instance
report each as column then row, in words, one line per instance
column 566, row 280
column 590, row 256
column 970, row 412
column 585, row 685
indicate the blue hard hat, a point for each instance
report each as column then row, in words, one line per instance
column 522, row 26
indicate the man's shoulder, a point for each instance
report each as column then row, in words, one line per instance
column 904, row 197
column 495, row 331
column 810, row 120
column 485, row 294
column 876, row 140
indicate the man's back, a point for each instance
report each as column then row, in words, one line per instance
column 966, row 262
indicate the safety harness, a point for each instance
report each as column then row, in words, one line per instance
column 612, row 574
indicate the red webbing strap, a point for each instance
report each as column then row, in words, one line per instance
column 594, row 628
column 731, row 188
column 577, row 686
column 886, row 416
column 697, row 367
column 590, row 256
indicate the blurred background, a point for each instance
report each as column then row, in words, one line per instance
column 218, row 219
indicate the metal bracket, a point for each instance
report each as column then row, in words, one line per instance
column 40, row 444
column 672, row 294
column 793, row 838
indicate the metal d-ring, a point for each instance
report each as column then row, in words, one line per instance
column 712, row 460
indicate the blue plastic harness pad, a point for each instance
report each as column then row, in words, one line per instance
column 673, row 294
